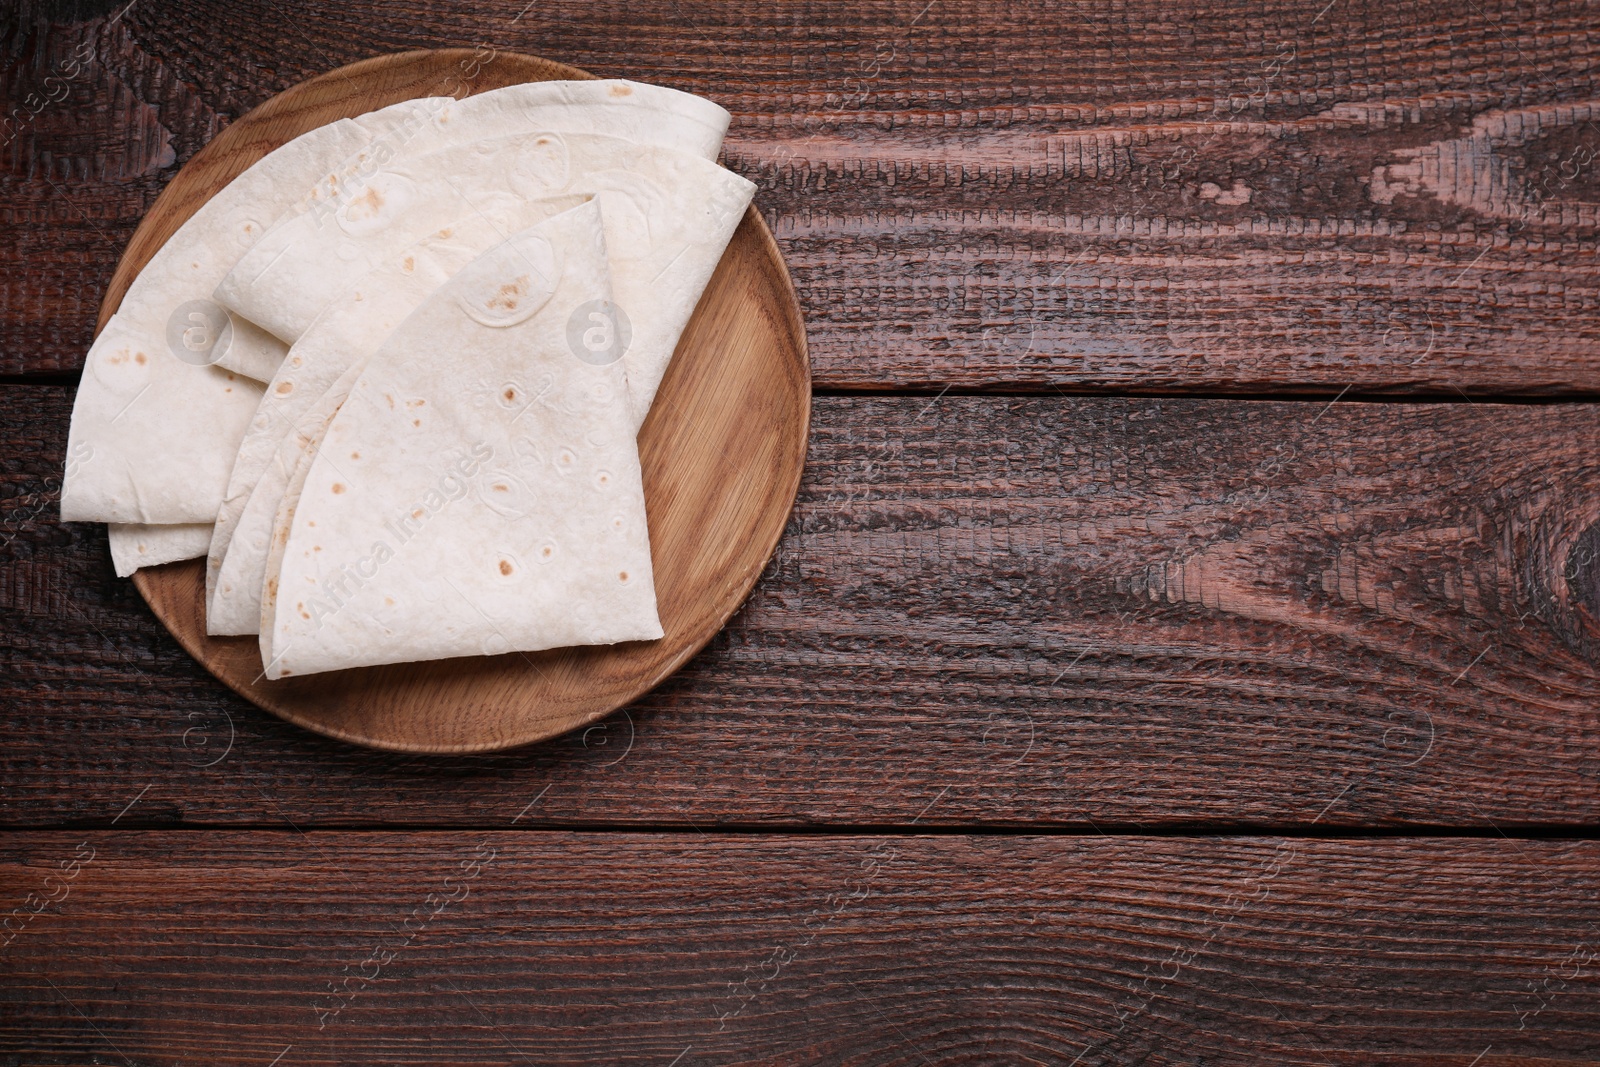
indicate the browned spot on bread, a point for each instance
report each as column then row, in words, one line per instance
column 622, row 90
column 338, row 487
column 623, row 575
column 367, row 204
column 505, row 568
column 138, row 357
column 509, row 295
column 511, row 394
column 284, row 388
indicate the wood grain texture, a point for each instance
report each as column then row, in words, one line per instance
column 1395, row 197
column 721, row 453
column 501, row 948
column 1087, row 612
column 1091, row 614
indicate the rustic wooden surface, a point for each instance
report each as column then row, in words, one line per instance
column 989, row 196
column 1112, row 612
column 1336, row 649
column 635, row 949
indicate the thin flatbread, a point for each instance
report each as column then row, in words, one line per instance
column 343, row 336
column 472, row 508
column 442, row 143
column 668, row 216
column 161, row 433
column 156, row 419
column 134, row 545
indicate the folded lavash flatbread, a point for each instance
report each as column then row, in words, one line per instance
column 634, row 112
column 667, row 220
column 348, row 331
column 135, row 545
column 644, row 114
column 665, row 203
column 138, row 470
column 457, row 511
column 156, row 419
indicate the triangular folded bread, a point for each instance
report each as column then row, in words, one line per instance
column 343, row 336
column 479, row 490
column 158, row 412
column 669, row 213
column 668, row 218
column 147, row 462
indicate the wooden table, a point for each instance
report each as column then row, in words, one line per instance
column 1183, row 651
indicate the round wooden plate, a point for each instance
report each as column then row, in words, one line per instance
column 722, row 452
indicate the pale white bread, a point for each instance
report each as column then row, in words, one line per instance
column 150, row 444
column 643, row 114
column 119, row 485
column 636, row 113
column 460, row 507
column 250, row 351
column 667, row 221
column 159, row 434
column 310, row 431
column 648, row 114
column 668, row 216
column 134, row 545
column 348, row 331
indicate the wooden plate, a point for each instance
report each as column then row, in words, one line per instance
column 722, row 452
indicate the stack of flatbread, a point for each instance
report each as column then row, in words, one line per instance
column 388, row 381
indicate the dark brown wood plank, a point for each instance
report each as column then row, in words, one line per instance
column 479, row 948
column 1143, row 197
column 1086, row 612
